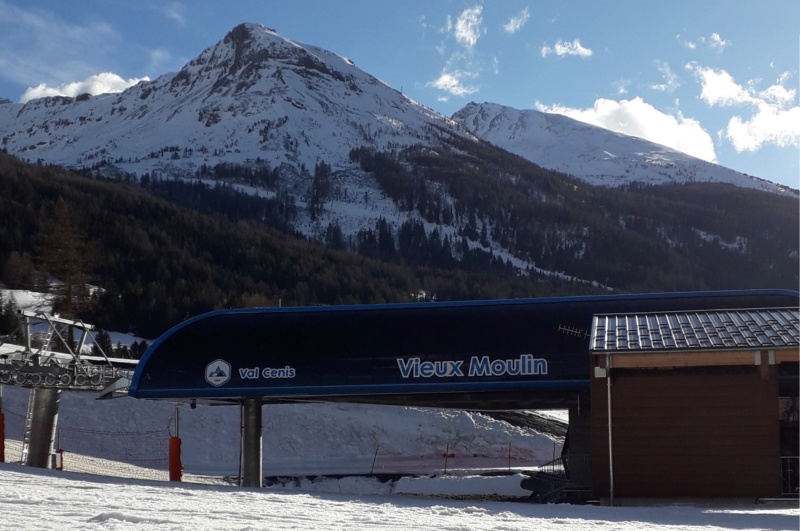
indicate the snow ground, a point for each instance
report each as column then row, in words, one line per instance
column 49, row 500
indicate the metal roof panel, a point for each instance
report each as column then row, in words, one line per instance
column 737, row 329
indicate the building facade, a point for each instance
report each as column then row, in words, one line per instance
column 694, row 404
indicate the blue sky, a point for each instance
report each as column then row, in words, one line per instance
column 714, row 78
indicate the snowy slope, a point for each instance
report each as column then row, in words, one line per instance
column 308, row 439
column 256, row 95
column 253, row 98
column 252, row 95
column 257, row 98
column 593, row 154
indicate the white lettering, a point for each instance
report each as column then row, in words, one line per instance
column 406, row 366
column 286, row 372
column 414, row 368
column 525, row 365
column 248, row 374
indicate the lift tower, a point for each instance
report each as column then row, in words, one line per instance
column 49, row 362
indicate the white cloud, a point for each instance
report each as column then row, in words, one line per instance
column 453, row 83
column 622, row 86
column 774, row 114
column 36, row 45
column 44, row 52
column 517, row 22
column 467, row 29
column 691, row 45
column 562, row 48
column 670, row 79
column 104, row 83
column 778, row 93
column 715, row 42
column 719, row 87
column 718, row 43
column 423, row 22
column 175, row 11
column 461, row 65
column 448, row 25
column 636, row 118
column 769, row 125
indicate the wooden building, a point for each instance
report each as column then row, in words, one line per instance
column 692, row 404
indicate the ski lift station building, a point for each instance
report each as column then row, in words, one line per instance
column 669, row 395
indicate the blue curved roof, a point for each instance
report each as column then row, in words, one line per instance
column 431, row 353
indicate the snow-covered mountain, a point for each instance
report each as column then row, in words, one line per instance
column 260, row 101
column 254, row 99
column 256, row 96
column 593, row 154
column 252, row 95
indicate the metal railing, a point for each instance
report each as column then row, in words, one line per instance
column 575, row 467
column 790, row 465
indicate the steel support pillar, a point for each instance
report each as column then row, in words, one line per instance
column 252, row 458
column 44, row 415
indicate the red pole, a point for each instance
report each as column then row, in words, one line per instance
column 175, row 466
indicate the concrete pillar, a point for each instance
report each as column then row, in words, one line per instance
column 43, row 426
column 252, row 459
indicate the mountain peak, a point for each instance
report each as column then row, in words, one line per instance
column 250, row 53
column 241, row 39
column 250, row 27
column 247, row 46
column 247, row 40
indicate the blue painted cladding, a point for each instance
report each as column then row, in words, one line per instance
column 459, row 347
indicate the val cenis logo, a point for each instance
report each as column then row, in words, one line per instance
column 218, row 372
